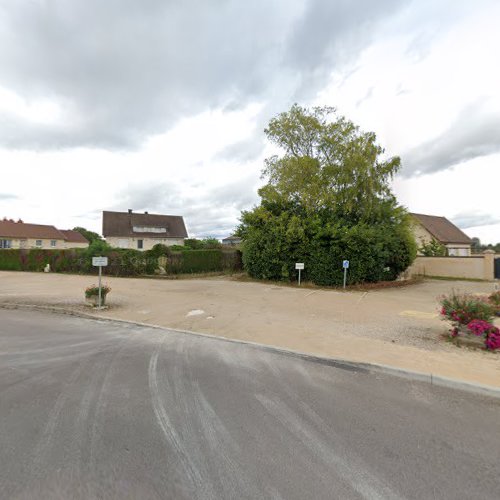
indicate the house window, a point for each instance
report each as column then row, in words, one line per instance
column 5, row 243
column 140, row 244
column 53, row 243
column 149, row 229
column 38, row 243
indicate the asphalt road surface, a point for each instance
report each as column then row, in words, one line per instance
column 94, row 409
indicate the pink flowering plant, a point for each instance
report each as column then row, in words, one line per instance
column 471, row 314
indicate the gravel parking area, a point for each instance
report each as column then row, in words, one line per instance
column 398, row 327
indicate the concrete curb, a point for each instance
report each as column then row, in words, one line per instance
column 437, row 380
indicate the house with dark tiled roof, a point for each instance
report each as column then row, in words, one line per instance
column 24, row 235
column 427, row 228
column 141, row 231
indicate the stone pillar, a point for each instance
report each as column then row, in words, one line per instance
column 489, row 265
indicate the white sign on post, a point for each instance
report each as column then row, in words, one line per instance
column 100, row 262
column 299, row 266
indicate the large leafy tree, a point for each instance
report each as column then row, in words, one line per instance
column 328, row 163
column 90, row 235
column 328, row 198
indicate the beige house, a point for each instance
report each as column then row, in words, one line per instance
column 431, row 227
column 22, row 235
column 142, row 231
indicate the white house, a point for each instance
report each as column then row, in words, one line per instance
column 141, row 231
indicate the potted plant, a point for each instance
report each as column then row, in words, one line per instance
column 92, row 294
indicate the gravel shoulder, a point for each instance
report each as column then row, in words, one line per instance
column 396, row 327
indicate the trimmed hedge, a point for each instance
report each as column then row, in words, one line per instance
column 203, row 261
column 121, row 262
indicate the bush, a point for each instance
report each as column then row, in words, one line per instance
column 275, row 242
column 121, row 262
column 93, row 291
column 471, row 314
column 494, row 300
column 461, row 309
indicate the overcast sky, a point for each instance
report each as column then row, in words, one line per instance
column 160, row 105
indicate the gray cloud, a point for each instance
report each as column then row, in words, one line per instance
column 475, row 219
column 475, row 133
column 122, row 70
column 8, row 196
column 213, row 213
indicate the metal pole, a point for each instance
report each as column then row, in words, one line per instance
column 345, row 276
column 299, row 277
column 100, row 269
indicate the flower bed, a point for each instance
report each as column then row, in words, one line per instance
column 472, row 315
column 92, row 294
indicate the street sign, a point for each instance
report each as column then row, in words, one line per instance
column 299, row 266
column 99, row 261
column 345, row 264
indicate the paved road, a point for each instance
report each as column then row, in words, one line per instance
column 94, row 409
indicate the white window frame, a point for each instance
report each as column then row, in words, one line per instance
column 53, row 243
column 6, row 244
column 149, row 229
column 38, row 243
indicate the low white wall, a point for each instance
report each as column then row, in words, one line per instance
column 473, row 267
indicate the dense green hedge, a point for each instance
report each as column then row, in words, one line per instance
column 121, row 262
column 203, row 261
column 274, row 243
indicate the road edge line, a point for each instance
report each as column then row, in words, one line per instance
column 430, row 378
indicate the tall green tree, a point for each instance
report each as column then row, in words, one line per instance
column 328, row 163
column 328, row 198
column 90, row 235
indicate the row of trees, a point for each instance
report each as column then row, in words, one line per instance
column 327, row 198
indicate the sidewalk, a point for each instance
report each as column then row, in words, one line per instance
column 394, row 327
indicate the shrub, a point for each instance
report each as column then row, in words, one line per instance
column 93, row 290
column 471, row 314
column 494, row 299
column 461, row 309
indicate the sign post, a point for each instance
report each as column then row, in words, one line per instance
column 100, row 262
column 345, row 265
column 299, row 266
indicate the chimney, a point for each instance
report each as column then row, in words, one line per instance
column 20, row 221
column 129, row 210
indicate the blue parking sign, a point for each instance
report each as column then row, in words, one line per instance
column 345, row 264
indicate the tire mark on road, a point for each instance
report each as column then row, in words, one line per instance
column 360, row 480
column 171, row 435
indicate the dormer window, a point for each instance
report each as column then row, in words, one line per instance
column 149, row 229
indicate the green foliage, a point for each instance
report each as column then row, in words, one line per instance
column 10, row 260
column 462, row 308
column 93, row 291
column 204, row 261
column 121, row 262
column 328, row 163
column 159, row 250
column 205, row 244
column 328, row 199
column 90, row 235
column 433, row 249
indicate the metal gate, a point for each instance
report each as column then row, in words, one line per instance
column 497, row 268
